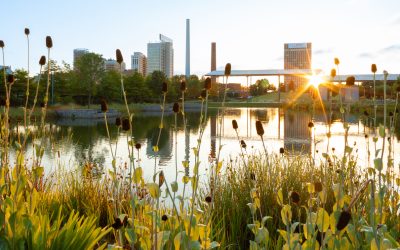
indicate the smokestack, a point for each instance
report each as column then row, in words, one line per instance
column 187, row 71
column 213, row 60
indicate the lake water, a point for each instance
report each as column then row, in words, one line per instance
column 77, row 141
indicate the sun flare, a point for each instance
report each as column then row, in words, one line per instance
column 315, row 80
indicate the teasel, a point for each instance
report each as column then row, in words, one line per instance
column 227, row 70
column 175, row 108
column 27, row 32
column 104, row 106
column 126, row 125
column 183, row 85
column 164, row 217
column 164, row 87
column 234, row 124
column 333, row 73
column 207, row 83
column 243, row 144
column 118, row 55
column 373, row 68
column 208, row 199
column 281, row 150
column 336, row 61
column 138, row 146
column 295, row 197
column 310, row 125
column 49, row 42
column 118, row 121
column 259, row 128
column 1, row 44
column 350, row 81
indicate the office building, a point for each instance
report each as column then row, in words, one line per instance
column 160, row 56
column 297, row 56
column 111, row 64
column 78, row 53
column 139, row 63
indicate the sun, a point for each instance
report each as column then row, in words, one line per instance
column 315, row 80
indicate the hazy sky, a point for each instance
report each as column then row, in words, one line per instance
column 249, row 34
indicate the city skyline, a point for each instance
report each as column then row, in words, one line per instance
column 249, row 36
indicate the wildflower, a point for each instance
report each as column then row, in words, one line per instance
column 295, row 197
column 164, row 217
column 282, row 150
column 310, row 125
column 259, row 128
column 333, row 73
column 42, row 60
column 318, row 186
column 10, row 78
column 49, row 42
column 234, row 124
column 104, row 106
column 373, row 68
column 207, row 83
column 138, row 146
column 27, row 31
column 227, row 69
column 118, row 121
column 344, row 220
column 350, row 81
column 1, row 44
column 336, row 60
column 175, row 108
column 243, row 144
column 119, row 57
column 126, row 125
column 208, row 199
column 164, row 88
column 183, row 86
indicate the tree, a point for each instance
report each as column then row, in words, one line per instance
column 110, row 86
column 155, row 81
column 260, row 87
column 89, row 73
column 136, row 88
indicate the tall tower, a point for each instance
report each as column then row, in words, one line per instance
column 213, row 60
column 297, row 56
column 187, row 71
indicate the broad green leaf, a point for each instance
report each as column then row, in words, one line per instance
column 154, row 190
column 322, row 220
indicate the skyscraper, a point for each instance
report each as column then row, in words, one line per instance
column 78, row 53
column 160, row 56
column 111, row 64
column 139, row 63
column 297, row 56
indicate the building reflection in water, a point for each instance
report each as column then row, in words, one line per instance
column 297, row 135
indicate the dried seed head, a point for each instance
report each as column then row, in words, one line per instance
column 203, row 94
column 138, row 146
column 366, row 136
column 183, row 85
column 243, row 144
column 336, row 60
column 42, row 61
column 103, row 106
column 317, row 186
column 259, row 128
column 207, row 83
column 164, row 217
column 175, row 108
column 373, row 68
column 234, row 124
column 295, row 197
column 281, row 150
column 310, row 125
column 161, row 178
column 10, row 78
column 228, row 69
column 49, row 42
column 118, row 121
column 164, row 88
column 119, row 57
column 333, row 73
column 208, row 199
column 126, row 125
column 344, row 220
column 333, row 149
column 27, row 32
column 1, row 44
column 350, row 81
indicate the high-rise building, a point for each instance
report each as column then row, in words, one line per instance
column 139, row 63
column 160, row 56
column 111, row 64
column 78, row 53
column 187, row 69
column 297, row 56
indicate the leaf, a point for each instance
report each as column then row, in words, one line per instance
column 174, row 186
column 219, row 166
column 322, row 220
column 378, row 164
column 286, row 214
column 279, row 197
column 262, row 236
column 264, row 220
column 154, row 190
column 381, row 131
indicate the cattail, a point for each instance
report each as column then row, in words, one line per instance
column 207, row 83
column 42, row 61
column 344, row 220
column 228, row 69
column 138, row 146
column 119, row 57
column 336, row 60
column 161, row 178
column 164, row 87
column 350, row 81
column 27, row 32
column 49, row 42
column 10, row 78
column 234, row 124
column 310, row 125
column 183, row 85
column 203, row 94
column 175, row 108
column 208, row 199
column 164, row 217
column 333, row 73
column 118, row 121
column 126, row 125
column 295, row 197
column 317, row 186
column 1, row 44
column 104, row 106
column 259, row 128
column 281, row 150
column 243, row 144
column 373, row 68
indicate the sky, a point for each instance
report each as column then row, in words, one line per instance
column 249, row 34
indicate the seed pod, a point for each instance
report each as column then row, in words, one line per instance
column 175, row 108
column 243, row 144
column 118, row 121
column 282, row 150
column 207, row 83
column 49, row 42
column 126, row 125
column 295, row 197
column 344, row 220
column 350, row 81
column 203, row 94
column 164, row 88
column 333, row 73
column 42, row 60
column 104, row 106
column 336, row 60
column 259, row 128
column 228, row 69
column 317, row 186
column 310, row 125
column 183, row 85
column 27, row 32
column 164, row 217
column 234, row 124
column 138, row 146
column 161, row 178
column 10, row 78
column 373, row 68
column 208, row 199
column 1, row 44
column 119, row 57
